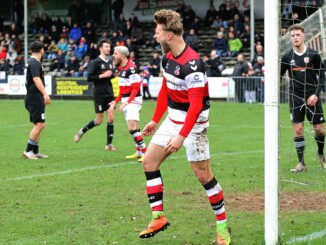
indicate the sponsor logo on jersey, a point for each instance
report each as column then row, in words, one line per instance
column 123, row 74
column 292, row 62
column 102, row 66
column 177, row 70
column 132, row 69
column 306, row 60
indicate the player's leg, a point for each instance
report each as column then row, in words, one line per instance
column 109, row 127
column 36, row 147
column 316, row 117
column 297, row 114
column 99, row 110
column 154, row 157
column 132, row 117
column 198, row 155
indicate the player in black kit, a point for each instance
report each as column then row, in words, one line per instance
column 36, row 99
column 100, row 72
column 307, row 77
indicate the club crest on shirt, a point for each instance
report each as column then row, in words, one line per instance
column 177, row 70
column 306, row 60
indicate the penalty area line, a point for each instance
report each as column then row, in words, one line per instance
column 309, row 237
column 292, row 181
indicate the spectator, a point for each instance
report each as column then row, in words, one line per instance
column 104, row 36
column 75, row 33
column 286, row 10
column 133, row 58
column 192, row 39
column 214, row 65
column 154, row 64
column 19, row 13
column 121, row 23
column 259, row 69
column 131, row 46
column 82, row 71
column 64, row 33
column 210, row 15
column 54, row 33
column 240, row 70
column 251, row 86
column 81, row 49
column 137, row 37
column 259, row 39
column 13, row 30
column 238, row 25
column 235, row 45
column 7, row 41
column 259, row 51
column 117, row 8
column 93, row 51
column 122, row 38
column 69, row 23
column 35, row 23
column 224, row 14
column 11, row 56
column 53, row 50
column 3, row 52
column 145, row 81
column 89, row 32
column 16, row 43
column 233, row 10
column 221, row 45
column 72, row 45
column 127, row 32
column 134, row 20
column 245, row 36
column 301, row 10
column 196, row 25
column 189, row 16
column 72, row 66
column 58, row 64
column 18, row 68
column 58, row 23
column 3, row 64
column 217, row 23
column 46, row 24
column 63, row 45
column 313, row 7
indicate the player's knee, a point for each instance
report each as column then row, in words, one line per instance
column 98, row 121
column 39, row 125
column 202, row 176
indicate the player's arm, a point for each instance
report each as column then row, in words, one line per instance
column 320, row 71
column 161, row 107
column 284, row 66
column 41, row 88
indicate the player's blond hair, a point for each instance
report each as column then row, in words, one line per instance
column 170, row 19
column 122, row 50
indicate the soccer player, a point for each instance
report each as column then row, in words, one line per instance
column 100, row 72
column 130, row 96
column 36, row 99
column 307, row 77
column 184, row 93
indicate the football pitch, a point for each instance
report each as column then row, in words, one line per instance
column 83, row 194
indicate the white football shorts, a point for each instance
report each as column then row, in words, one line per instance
column 196, row 144
column 132, row 110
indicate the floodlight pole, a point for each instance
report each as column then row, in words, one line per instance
column 272, row 74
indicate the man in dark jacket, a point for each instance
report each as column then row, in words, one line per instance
column 240, row 69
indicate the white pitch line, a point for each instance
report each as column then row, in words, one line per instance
column 309, row 237
column 111, row 166
column 292, row 181
column 68, row 171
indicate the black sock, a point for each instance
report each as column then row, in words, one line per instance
column 320, row 139
column 35, row 149
column 300, row 144
column 30, row 145
column 89, row 126
column 109, row 132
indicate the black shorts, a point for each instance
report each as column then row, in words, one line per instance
column 36, row 111
column 298, row 111
column 101, row 103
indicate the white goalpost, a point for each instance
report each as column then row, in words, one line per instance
column 271, row 111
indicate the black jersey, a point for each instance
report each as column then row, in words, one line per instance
column 33, row 69
column 97, row 67
column 305, row 71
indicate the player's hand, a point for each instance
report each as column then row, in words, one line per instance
column 312, row 100
column 47, row 99
column 112, row 104
column 123, row 105
column 175, row 144
column 149, row 129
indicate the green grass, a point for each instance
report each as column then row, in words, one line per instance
column 85, row 195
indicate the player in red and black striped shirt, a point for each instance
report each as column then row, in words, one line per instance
column 184, row 93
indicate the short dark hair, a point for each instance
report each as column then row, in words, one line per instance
column 100, row 43
column 296, row 27
column 36, row 46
